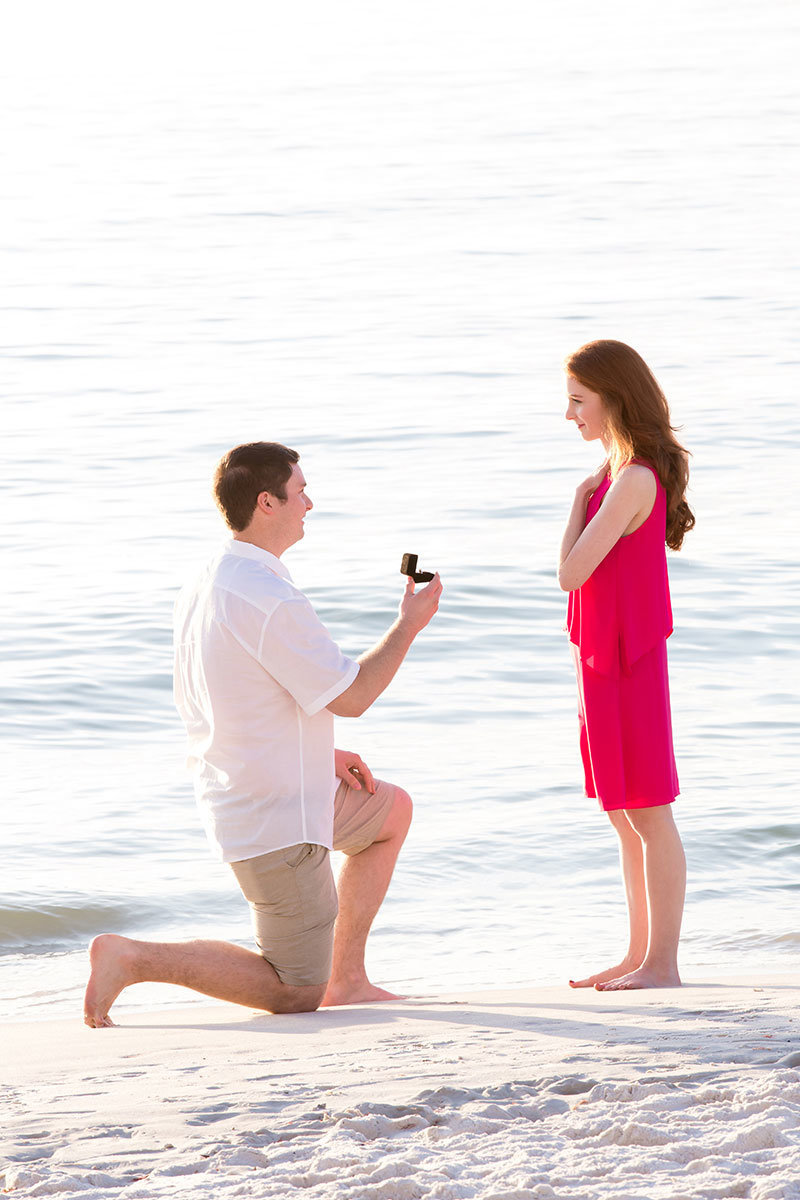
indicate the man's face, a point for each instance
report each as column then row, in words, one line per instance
column 289, row 514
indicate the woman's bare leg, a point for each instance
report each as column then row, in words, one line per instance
column 665, row 881
column 633, row 876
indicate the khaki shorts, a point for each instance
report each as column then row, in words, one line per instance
column 292, row 894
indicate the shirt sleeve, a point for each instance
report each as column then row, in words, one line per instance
column 300, row 654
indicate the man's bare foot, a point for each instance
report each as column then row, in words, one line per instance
column 626, row 967
column 355, row 992
column 110, row 958
column 644, row 977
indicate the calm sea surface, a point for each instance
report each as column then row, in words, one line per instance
column 376, row 245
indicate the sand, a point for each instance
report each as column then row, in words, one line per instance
column 545, row 1092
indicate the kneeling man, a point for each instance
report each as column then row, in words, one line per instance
column 258, row 680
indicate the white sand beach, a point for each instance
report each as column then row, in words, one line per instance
column 688, row 1093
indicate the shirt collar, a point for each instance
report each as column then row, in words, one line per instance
column 248, row 550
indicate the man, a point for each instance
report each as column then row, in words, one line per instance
column 257, row 682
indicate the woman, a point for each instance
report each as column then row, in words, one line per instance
column 613, row 564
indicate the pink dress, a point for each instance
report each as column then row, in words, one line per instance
column 618, row 623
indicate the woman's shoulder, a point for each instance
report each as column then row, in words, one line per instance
column 637, row 478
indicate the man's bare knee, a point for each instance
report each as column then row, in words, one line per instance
column 398, row 819
column 403, row 809
column 298, row 999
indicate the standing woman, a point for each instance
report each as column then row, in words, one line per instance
column 614, row 566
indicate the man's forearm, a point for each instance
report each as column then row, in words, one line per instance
column 379, row 665
column 377, row 668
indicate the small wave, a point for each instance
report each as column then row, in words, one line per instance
column 754, row 939
column 50, row 926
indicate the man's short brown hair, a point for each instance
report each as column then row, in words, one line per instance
column 245, row 472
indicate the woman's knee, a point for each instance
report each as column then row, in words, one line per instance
column 619, row 819
column 651, row 822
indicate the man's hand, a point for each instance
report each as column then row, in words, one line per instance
column 353, row 770
column 417, row 608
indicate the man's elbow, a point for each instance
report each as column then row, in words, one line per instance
column 347, row 706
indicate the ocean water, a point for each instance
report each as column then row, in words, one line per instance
column 377, row 243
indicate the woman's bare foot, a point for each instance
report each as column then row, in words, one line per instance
column 626, row 967
column 359, row 991
column 111, row 960
column 644, row 977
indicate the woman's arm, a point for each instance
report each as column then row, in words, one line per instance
column 577, row 516
column 626, row 505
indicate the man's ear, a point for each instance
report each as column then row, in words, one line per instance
column 264, row 502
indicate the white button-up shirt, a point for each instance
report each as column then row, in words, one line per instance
column 254, row 671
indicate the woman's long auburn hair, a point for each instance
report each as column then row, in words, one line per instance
column 638, row 422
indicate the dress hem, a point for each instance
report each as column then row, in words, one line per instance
column 632, row 803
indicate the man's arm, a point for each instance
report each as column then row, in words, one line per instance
column 353, row 770
column 378, row 666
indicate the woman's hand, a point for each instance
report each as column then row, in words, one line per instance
column 353, row 770
column 626, row 505
column 592, row 482
column 577, row 522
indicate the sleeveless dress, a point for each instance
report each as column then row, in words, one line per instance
column 618, row 623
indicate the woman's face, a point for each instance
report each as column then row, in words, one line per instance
column 586, row 409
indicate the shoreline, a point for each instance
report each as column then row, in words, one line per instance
column 510, row 1093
